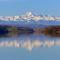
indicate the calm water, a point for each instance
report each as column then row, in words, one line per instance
column 45, row 52
column 30, row 47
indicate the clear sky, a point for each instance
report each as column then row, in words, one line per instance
column 18, row 7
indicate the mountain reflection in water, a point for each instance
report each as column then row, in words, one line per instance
column 29, row 41
column 29, row 38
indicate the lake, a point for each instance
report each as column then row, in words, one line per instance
column 30, row 46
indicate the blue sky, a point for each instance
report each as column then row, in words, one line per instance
column 17, row 7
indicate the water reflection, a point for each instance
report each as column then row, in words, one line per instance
column 19, row 37
column 28, row 44
column 29, row 41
